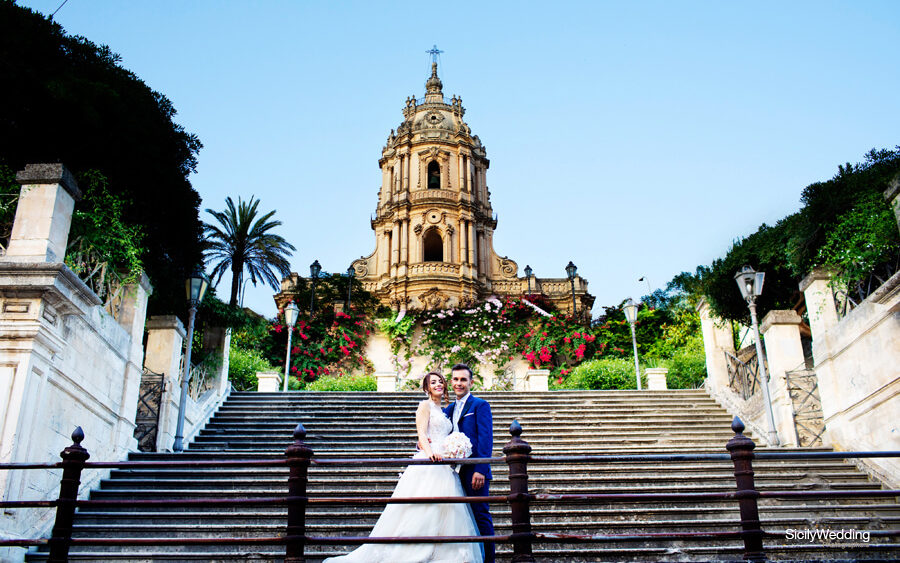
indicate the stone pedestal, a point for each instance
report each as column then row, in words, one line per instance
column 656, row 379
column 819, row 308
column 386, row 381
column 717, row 339
column 40, row 232
column 165, row 340
column 536, row 380
column 268, row 381
column 784, row 353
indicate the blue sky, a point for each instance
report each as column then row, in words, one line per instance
column 634, row 138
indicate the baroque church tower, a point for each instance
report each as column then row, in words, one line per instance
column 434, row 224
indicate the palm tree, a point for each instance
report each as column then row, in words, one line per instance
column 241, row 240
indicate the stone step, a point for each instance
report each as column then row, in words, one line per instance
column 259, row 426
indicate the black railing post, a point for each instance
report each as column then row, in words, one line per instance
column 73, row 459
column 741, row 449
column 517, row 456
column 298, row 455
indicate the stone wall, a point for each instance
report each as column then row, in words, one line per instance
column 64, row 359
column 856, row 361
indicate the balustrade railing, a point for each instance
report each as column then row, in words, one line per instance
column 742, row 376
column 299, row 457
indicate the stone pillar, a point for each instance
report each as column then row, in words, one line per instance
column 892, row 195
column 44, row 214
column 820, row 309
column 784, row 352
column 404, row 245
column 268, row 381
column 537, row 380
column 461, row 243
column 384, row 252
column 470, row 242
column 395, row 248
column 132, row 317
column 717, row 339
column 165, row 340
column 656, row 379
column 386, row 381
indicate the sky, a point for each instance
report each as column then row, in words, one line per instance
column 637, row 139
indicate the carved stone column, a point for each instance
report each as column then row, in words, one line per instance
column 404, row 246
column 395, row 248
column 471, row 246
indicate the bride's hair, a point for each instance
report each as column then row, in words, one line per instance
column 426, row 385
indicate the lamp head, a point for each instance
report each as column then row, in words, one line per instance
column 314, row 269
column 291, row 312
column 750, row 282
column 528, row 271
column 351, row 272
column 630, row 309
column 571, row 269
column 195, row 286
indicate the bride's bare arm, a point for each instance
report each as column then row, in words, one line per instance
column 422, row 415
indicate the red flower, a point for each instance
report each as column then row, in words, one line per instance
column 590, row 337
column 277, row 328
column 579, row 352
column 345, row 351
column 576, row 335
column 559, row 380
column 322, row 350
column 346, row 337
column 304, row 336
column 567, row 340
column 545, row 355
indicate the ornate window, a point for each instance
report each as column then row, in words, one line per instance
column 433, row 246
column 434, row 175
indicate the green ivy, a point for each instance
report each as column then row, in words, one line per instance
column 242, row 367
column 345, row 383
column 863, row 238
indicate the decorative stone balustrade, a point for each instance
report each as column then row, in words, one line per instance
column 425, row 195
column 431, row 268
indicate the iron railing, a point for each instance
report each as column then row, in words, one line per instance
column 299, row 458
column 743, row 376
column 849, row 297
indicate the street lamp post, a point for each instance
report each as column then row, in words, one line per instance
column 351, row 273
column 196, row 288
column 290, row 319
column 750, row 282
column 528, row 272
column 571, row 269
column 631, row 316
column 314, row 270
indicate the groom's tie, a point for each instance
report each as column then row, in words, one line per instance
column 457, row 412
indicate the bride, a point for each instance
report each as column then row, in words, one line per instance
column 437, row 519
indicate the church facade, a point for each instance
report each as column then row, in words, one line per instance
column 434, row 224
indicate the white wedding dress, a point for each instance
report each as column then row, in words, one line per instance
column 437, row 519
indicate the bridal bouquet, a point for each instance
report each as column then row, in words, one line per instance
column 457, row 445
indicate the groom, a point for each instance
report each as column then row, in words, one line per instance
column 472, row 417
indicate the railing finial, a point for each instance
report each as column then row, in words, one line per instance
column 299, row 432
column 737, row 425
column 515, row 429
column 77, row 436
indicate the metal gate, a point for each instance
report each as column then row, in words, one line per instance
column 809, row 424
column 149, row 401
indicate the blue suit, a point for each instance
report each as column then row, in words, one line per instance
column 477, row 424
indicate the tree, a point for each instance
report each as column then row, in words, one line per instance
column 68, row 100
column 844, row 224
column 244, row 242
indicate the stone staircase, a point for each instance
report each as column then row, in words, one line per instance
column 370, row 425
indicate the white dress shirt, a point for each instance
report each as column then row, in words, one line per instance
column 457, row 411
